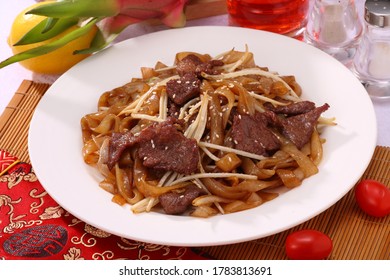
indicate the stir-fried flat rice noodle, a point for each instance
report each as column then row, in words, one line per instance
column 204, row 136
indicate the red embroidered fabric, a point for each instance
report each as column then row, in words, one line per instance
column 34, row 226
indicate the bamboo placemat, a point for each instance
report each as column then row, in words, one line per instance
column 15, row 120
column 355, row 235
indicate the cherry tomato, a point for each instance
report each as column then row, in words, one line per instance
column 308, row 244
column 373, row 198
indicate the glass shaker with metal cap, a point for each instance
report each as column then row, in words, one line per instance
column 335, row 27
column 372, row 59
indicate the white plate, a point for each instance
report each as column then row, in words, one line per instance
column 55, row 136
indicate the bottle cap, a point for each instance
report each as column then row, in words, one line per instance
column 377, row 12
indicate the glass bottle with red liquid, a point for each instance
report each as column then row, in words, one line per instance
column 287, row 17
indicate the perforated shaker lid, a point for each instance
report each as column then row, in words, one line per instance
column 377, row 12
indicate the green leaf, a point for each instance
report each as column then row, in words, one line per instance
column 51, row 22
column 77, row 8
column 44, row 49
column 98, row 43
column 41, row 32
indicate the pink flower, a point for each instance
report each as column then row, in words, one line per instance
column 118, row 13
column 170, row 12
